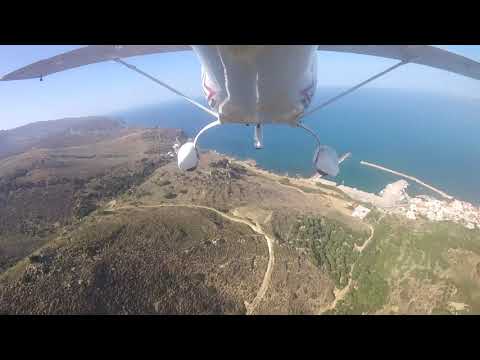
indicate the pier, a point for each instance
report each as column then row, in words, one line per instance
column 344, row 157
column 408, row 177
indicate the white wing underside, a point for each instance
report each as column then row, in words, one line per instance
column 418, row 54
column 88, row 55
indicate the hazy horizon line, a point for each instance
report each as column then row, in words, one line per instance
column 201, row 98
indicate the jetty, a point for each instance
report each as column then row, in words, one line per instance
column 344, row 157
column 443, row 194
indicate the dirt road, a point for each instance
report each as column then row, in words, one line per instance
column 255, row 227
column 341, row 293
column 251, row 307
column 365, row 244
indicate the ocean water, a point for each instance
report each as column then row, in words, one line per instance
column 432, row 137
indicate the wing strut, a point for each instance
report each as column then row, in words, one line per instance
column 134, row 68
column 335, row 98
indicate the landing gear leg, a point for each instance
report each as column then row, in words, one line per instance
column 325, row 159
column 188, row 155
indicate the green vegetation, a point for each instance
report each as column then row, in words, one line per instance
column 331, row 245
column 142, row 193
column 329, row 187
column 170, row 195
column 340, row 193
column 103, row 212
column 310, row 190
column 85, row 207
column 163, row 182
column 408, row 267
column 430, row 261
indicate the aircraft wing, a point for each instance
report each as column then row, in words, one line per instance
column 87, row 55
column 417, row 54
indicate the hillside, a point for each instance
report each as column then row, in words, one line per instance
column 416, row 267
column 228, row 238
column 58, row 133
column 43, row 190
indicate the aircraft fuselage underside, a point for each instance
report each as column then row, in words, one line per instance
column 258, row 84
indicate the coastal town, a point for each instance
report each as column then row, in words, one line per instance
column 393, row 199
column 438, row 210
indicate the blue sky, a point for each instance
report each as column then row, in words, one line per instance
column 107, row 87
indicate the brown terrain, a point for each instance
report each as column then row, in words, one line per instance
column 58, row 133
column 113, row 227
column 44, row 189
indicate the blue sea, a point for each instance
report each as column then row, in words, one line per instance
column 435, row 138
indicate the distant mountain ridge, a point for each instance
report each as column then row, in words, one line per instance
column 59, row 133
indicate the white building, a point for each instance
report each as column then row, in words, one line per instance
column 360, row 212
column 410, row 214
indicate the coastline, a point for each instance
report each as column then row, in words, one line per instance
column 393, row 199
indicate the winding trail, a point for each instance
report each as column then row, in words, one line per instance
column 365, row 244
column 293, row 187
column 255, row 227
column 341, row 293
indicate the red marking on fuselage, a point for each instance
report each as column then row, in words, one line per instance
column 307, row 93
column 208, row 90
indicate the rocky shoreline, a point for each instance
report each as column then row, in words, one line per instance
column 393, row 199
